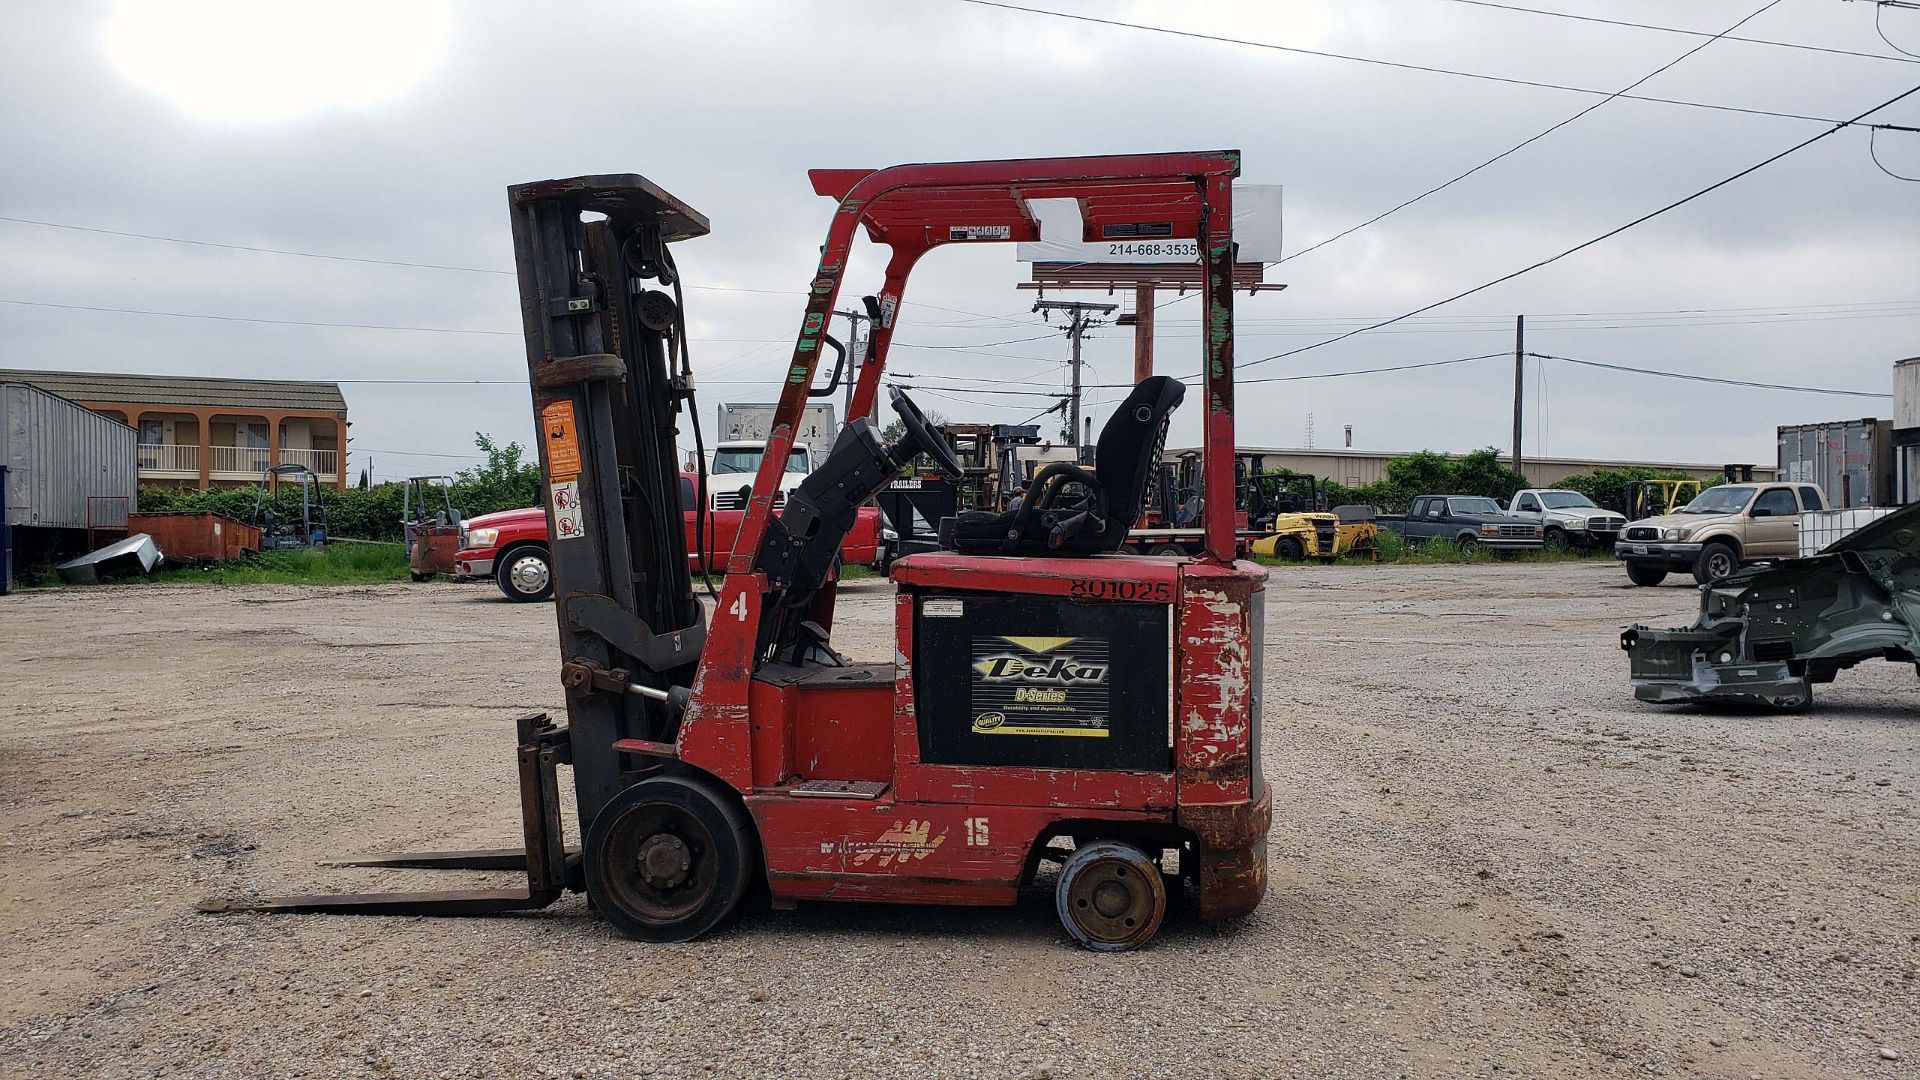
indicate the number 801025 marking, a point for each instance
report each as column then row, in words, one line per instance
column 1159, row 592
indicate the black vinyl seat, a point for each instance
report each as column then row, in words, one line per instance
column 1067, row 510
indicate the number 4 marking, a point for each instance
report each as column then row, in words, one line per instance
column 738, row 609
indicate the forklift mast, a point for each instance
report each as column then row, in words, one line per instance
column 600, row 307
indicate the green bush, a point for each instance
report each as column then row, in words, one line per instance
column 1429, row 473
column 505, row 482
column 1610, row 487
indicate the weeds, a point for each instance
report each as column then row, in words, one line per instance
column 336, row 564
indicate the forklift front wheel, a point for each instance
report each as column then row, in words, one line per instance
column 668, row 859
column 1110, row 896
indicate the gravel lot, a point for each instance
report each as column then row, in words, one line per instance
column 1487, row 859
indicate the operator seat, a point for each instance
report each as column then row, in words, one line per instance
column 1067, row 510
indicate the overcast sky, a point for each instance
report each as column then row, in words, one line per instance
column 390, row 131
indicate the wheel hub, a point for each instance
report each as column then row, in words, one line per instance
column 530, row 575
column 1111, row 899
column 665, row 861
column 1112, row 902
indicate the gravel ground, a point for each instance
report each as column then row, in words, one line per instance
column 1487, row 859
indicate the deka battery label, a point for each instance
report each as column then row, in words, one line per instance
column 1040, row 686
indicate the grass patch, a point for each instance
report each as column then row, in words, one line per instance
column 336, row 564
column 857, row 572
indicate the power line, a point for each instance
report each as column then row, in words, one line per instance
column 981, row 345
column 1505, row 317
column 249, row 247
column 415, row 265
column 1586, row 326
column 1879, row 8
column 1681, row 30
column 246, row 319
column 1529, row 141
column 1481, row 76
column 461, row 330
column 413, row 453
column 977, row 390
column 1873, row 151
column 1336, row 374
column 1609, row 234
column 1710, row 378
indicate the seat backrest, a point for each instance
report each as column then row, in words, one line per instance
column 1131, row 445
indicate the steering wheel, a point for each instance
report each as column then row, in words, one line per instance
column 921, row 438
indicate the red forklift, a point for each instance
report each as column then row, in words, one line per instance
column 1056, row 710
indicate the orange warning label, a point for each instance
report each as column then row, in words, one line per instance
column 563, row 444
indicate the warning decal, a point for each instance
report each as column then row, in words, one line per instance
column 568, row 522
column 1040, row 686
column 563, row 443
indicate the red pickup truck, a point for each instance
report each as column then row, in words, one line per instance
column 511, row 546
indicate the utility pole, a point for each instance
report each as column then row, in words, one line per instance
column 854, row 319
column 1080, row 319
column 1519, row 386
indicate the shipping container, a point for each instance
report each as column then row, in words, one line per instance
column 1850, row 460
column 185, row 536
column 67, row 467
column 1906, row 430
column 816, row 432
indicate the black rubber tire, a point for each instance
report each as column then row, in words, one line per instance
column 1465, row 541
column 1166, row 550
column 1716, row 561
column 1556, row 540
column 518, row 582
column 1289, row 548
column 712, row 832
column 1103, row 870
column 1646, row 574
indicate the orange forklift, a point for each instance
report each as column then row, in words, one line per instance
column 1056, row 710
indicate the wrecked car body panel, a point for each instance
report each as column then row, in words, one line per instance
column 1767, row 633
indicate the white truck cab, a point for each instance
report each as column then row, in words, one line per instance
column 1567, row 517
column 732, row 465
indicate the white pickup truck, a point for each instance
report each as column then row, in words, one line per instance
column 1567, row 517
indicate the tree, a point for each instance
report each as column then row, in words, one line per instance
column 505, row 482
column 897, row 430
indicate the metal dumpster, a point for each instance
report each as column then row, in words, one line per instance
column 205, row 536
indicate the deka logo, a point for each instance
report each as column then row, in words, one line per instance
column 1038, row 666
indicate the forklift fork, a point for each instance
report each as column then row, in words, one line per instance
column 551, row 869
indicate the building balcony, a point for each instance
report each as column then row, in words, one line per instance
column 323, row 463
column 168, row 459
column 181, row 461
column 239, row 462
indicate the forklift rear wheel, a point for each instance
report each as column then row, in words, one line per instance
column 667, row 859
column 525, row 575
column 1110, row 896
column 1290, row 548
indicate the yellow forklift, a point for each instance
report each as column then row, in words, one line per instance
column 1290, row 510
